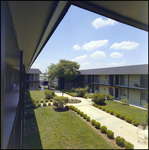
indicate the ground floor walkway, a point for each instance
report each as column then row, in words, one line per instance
column 118, row 126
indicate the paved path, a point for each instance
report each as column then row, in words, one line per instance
column 118, row 126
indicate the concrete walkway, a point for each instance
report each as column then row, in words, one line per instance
column 118, row 126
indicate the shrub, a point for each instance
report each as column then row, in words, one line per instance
column 84, row 116
column 55, row 103
column 88, row 118
column 100, row 107
column 84, row 96
column 29, row 114
column 46, row 100
column 135, row 122
column 49, row 104
column 38, row 89
column 81, row 113
column 44, row 104
column 96, row 105
column 67, row 107
column 61, row 100
column 78, row 111
column 49, row 94
column 93, row 122
column 37, row 101
column 128, row 145
column 51, row 100
column 120, row 141
column 103, row 108
column 117, row 114
column 39, row 104
column 75, row 109
column 128, row 119
column 80, row 92
column 109, row 97
column 111, row 112
column 122, row 116
column 125, row 101
column 41, row 101
column 107, row 110
column 97, row 125
column 99, row 98
column 103, row 129
column 110, row 134
column 71, row 107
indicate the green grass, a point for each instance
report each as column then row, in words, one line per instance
column 62, row 130
column 88, row 94
column 37, row 95
column 130, row 111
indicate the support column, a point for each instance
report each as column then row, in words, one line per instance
column 3, row 4
column 128, row 88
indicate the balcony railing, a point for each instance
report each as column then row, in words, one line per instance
column 136, row 84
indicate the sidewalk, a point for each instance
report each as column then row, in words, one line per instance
column 118, row 126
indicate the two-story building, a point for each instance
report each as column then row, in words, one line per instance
column 125, row 82
column 32, row 79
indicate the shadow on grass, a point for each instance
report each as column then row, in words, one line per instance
column 57, row 109
column 31, row 136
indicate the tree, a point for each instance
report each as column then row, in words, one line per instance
column 64, row 70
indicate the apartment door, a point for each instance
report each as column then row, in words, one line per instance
column 111, row 91
column 116, row 79
column 93, row 88
column 116, row 93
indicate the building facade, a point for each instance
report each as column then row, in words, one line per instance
column 32, row 79
column 126, row 82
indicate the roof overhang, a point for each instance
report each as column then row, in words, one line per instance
column 34, row 22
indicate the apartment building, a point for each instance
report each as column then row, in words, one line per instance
column 126, row 82
column 32, row 79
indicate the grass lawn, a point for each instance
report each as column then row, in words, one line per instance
column 37, row 95
column 135, row 113
column 61, row 130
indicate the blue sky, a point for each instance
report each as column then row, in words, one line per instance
column 94, row 41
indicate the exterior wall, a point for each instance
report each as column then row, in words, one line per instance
column 104, row 79
column 34, row 85
column 143, row 97
column 103, row 89
column 134, row 96
column 123, row 93
column 95, row 88
column 134, row 79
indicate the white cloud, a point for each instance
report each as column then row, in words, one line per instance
column 76, row 47
column 99, row 22
column 127, row 45
column 98, row 54
column 85, row 65
column 94, row 44
column 116, row 64
column 80, row 58
column 116, row 55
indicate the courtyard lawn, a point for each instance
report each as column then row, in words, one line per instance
column 62, row 130
column 135, row 113
column 37, row 95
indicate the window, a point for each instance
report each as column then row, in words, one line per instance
column 144, row 95
column 96, row 87
column 122, row 92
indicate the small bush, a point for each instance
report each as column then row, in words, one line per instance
column 135, row 122
column 84, row 96
column 103, row 108
column 100, row 107
column 51, row 100
column 99, row 98
column 97, row 125
column 78, row 111
column 107, row 110
column 75, row 109
column 128, row 119
column 67, row 107
column 120, row 141
column 110, row 134
column 122, row 116
column 41, row 101
column 49, row 104
column 117, row 114
column 93, row 122
column 46, row 100
column 96, row 105
column 125, row 101
column 84, row 116
column 44, row 104
column 128, row 145
column 39, row 104
column 37, row 101
column 71, row 107
column 81, row 113
column 93, row 104
column 49, row 94
column 111, row 112
column 80, row 92
column 88, row 118
column 109, row 97
column 55, row 104
column 103, row 129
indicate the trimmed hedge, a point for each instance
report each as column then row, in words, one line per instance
column 110, row 134
column 135, row 122
column 128, row 145
column 84, row 116
column 44, row 104
column 100, row 107
column 93, row 122
column 78, row 111
column 88, row 118
column 111, row 112
column 103, row 108
column 46, row 100
column 49, row 104
column 103, row 129
column 96, row 105
column 41, row 101
column 97, row 125
column 81, row 113
column 107, row 110
column 122, row 116
column 75, row 109
column 120, row 141
column 117, row 114
column 128, row 119
column 39, row 104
